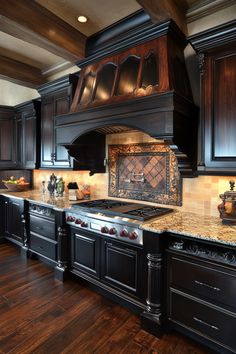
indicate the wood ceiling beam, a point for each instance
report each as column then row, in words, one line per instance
column 33, row 23
column 161, row 10
column 20, row 73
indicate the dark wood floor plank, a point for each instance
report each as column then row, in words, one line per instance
column 40, row 315
column 103, row 326
column 121, row 337
column 48, row 324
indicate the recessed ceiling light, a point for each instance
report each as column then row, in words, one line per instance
column 82, row 19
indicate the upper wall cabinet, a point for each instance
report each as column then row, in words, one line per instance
column 56, row 100
column 8, row 158
column 27, row 116
column 217, row 54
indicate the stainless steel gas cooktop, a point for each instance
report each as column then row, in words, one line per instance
column 113, row 218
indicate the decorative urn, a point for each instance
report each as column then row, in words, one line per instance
column 227, row 208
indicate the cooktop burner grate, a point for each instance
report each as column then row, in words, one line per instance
column 100, row 203
column 135, row 211
column 146, row 213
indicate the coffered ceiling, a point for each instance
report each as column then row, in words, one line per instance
column 40, row 37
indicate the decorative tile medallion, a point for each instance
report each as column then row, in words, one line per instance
column 144, row 172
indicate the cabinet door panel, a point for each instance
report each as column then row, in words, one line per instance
column 19, row 141
column 62, row 106
column 30, row 142
column 218, row 111
column 122, row 266
column 13, row 224
column 53, row 105
column 85, row 252
column 224, row 107
column 7, row 140
column 16, row 209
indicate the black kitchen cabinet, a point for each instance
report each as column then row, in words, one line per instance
column 122, row 266
column 56, row 100
column 7, row 138
column 2, row 218
column 217, row 53
column 42, row 231
column 201, row 288
column 27, row 117
column 13, row 210
column 85, row 256
column 117, row 265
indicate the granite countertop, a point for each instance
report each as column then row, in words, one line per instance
column 45, row 199
column 183, row 223
column 193, row 225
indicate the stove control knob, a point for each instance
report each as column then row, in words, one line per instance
column 113, row 231
column 133, row 235
column 124, row 233
column 78, row 221
column 84, row 224
column 68, row 218
column 104, row 230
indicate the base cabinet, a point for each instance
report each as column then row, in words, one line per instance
column 13, row 209
column 201, row 295
column 114, row 264
column 42, row 232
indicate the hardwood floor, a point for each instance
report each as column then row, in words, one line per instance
column 41, row 315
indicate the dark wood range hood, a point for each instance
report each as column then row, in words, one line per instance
column 139, row 83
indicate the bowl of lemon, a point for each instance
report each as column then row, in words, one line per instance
column 17, row 185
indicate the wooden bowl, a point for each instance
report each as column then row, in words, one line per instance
column 13, row 187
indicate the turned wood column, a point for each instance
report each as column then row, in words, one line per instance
column 25, row 238
column 62, row 251
column 151, row 318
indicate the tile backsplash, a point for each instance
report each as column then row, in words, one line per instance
column 200, row 195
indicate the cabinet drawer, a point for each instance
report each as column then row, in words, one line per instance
column 42, row 226
column 44, row 247
column 203, row 319
column 217, row 284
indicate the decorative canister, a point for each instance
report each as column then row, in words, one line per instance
column 227, row 208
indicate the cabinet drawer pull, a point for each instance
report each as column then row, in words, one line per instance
column 207, row 285
column 205, row 323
